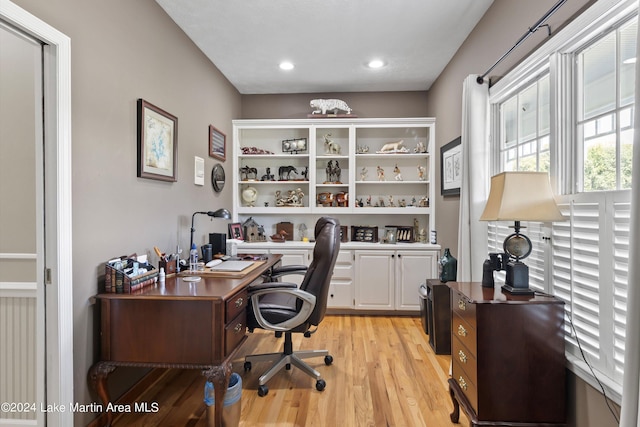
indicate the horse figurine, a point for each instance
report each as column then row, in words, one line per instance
column 247, row 171
column 284, row 172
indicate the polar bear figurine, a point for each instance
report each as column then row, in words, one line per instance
column 324, row 105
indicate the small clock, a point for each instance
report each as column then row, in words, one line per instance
column 217, row 178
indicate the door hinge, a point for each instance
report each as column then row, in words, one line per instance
column 47, row 276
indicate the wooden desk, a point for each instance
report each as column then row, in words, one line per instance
column 192, row 325
column 508, row 357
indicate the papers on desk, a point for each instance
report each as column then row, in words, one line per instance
column 232, row 266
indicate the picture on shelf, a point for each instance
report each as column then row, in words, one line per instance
column 235, row 231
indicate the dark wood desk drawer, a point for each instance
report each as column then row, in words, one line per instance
column 463, row 307
column 464, row 332
column 234, row 332
column 235, row 305
column 467, row 386
column 466, row 359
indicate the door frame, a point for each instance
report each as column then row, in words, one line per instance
column 58, row 208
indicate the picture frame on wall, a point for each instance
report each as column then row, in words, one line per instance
column 157, row 143
column 235, row 231
column 451, row 168
column 217, row 144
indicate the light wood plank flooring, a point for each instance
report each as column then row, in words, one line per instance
column 384, row 374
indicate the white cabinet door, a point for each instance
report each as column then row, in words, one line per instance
column 374, row 280
column 293, row 257
column 412, row 269
column 341, row 289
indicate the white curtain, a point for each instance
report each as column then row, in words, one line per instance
column 472, row 234
column 631, row 386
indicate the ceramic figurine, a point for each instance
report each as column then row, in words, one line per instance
column 330, row 147
column 324, row 105
column 363, row 173
column 421, row 171
column 397, row 173
column 380, row 174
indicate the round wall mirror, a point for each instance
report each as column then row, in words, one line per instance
column 217, row 178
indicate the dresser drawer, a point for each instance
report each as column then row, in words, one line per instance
column 465, row 359
column 234, row 332
column 467, row 386
column 235, row 305
column 464, row 308
column 465, row 333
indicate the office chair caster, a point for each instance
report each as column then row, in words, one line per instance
column 263, row 390
column 328, row 360
column 320, row 385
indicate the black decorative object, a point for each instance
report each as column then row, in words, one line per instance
column 449, row 267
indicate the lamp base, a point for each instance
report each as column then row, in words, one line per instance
column 518, row 291
column 517, row 279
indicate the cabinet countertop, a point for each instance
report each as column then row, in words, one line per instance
column 345, row 245
column 478, row 294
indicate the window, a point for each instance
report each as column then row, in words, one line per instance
column 606, row 85
column 569, row 109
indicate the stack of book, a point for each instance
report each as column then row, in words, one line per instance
column 125, row 275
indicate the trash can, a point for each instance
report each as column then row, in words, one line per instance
column 232, row 402
column 424, row 308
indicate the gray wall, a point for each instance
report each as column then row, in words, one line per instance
column 121, row 51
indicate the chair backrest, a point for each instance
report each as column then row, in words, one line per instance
column 318, row 277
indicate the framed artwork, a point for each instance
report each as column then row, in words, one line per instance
column 157, row 142
column 451, row 168
column 235, row 231
column 217, row 144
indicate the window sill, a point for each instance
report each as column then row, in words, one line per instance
column 611, row 387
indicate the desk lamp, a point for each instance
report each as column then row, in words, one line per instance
column 520, row 196
column 220, row 213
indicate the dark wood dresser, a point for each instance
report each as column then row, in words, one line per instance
column 508, row 361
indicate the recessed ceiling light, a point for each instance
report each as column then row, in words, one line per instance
column 286, row 65
column 376, row 63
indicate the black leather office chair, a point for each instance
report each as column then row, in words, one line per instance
column 285, row 307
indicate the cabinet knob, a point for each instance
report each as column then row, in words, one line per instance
column 239, row 302
column 463, row 383
column 462, row 331
column 238, row 328
column 462, row 356
column 462, row 305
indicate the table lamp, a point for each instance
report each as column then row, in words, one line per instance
column 220, row 213
column 520, row 196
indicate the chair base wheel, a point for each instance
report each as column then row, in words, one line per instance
column 320, row 385
column 328, row 360
column 263, row 390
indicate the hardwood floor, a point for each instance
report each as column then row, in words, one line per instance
column 384, row 374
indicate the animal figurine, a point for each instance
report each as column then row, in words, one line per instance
column 330, row 147
column 324, row 105
column 392, row 146
column 284, row 172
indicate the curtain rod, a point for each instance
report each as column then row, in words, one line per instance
column 532, row 30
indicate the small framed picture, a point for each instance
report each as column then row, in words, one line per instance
column 451, row 168
column 217, row 144
column 390, row 235
column 157, row 142
column 235, row 231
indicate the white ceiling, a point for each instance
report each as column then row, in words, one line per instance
column 329, row 41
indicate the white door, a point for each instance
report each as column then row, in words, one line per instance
column 22, row 336
column 413, row 268
column 374, row 280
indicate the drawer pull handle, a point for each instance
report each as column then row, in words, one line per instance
column 462, row 331
column 462, row 305
column 462, row 356
column 239, row 302
column 238, row 328
column 463, row 383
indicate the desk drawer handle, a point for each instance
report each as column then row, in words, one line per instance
column 462, row 331
column 239, row 302
column 462, row 356
column 462, row 305
column 463, row 383
column 238, row 328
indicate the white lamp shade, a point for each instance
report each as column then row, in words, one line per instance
column 521, row 196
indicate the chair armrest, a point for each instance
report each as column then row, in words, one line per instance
column 285, row 270
column 308, row 304
column 270, row 285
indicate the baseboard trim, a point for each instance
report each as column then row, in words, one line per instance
column 130, row 395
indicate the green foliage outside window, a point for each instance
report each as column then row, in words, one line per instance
column 600, row 167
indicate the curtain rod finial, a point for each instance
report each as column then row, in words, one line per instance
column 480, row 80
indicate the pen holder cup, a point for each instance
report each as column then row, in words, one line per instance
column 169, row 266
